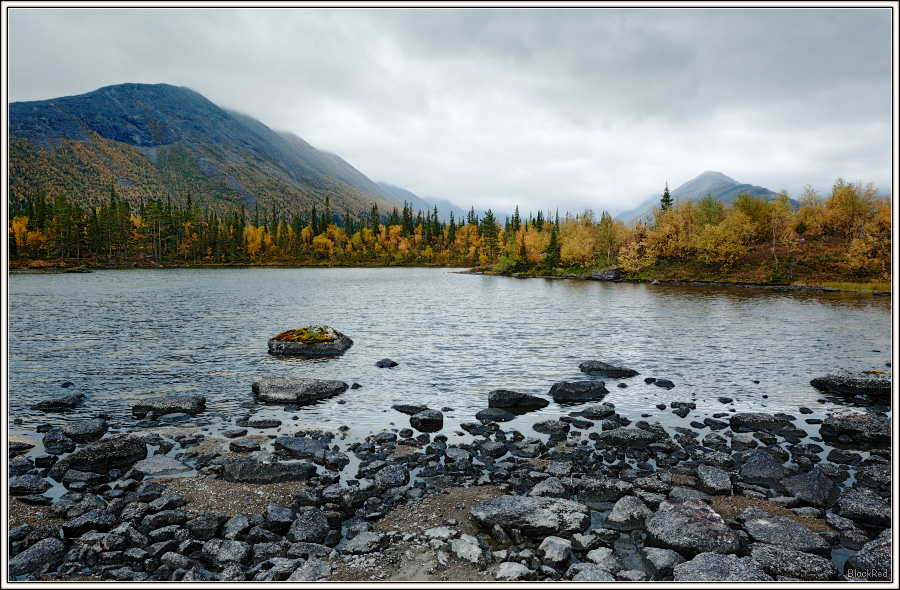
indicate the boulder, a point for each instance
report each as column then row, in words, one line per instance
column 44, row 556
column 872, row 383
column 533, row 516
column 386, row 364
column 865, row 508
column 690, row 527
column 764, row 468
column 85, row 431
column 596, row 491
column 787, row 533
column 555, row 551
column 222, row 552
column 607, row 274
column 160, row 465
column 515, row 401
column 814, row 488
column 301, row 447
column 577, row 391
column 872, row 563
column 280, row 345
column 26, row 485
column 253, row 471
column 781, row 561
column 660, row 563
column 628, row 514
column 597, row 412
column 553, row 427
column 60, row 403
column 552, row 487
column 115, row 452
column 859, row 425
column 713, row 480
column 310, row 526
column 365, row 542
column 169, row 404
column 606, row 370
column 313, row 570
column 409, row 409
column 510, row 571
column 295, row 390
column 427, row 421
column 713, row 567
column 628, row 438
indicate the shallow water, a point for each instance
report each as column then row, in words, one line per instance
column 119, row 335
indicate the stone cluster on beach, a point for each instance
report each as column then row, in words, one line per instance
column 741, row 496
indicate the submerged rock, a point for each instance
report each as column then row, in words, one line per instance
column 409, row 409
column 60, row 403
column 295, row 390
column 495, row 415
column 874, row 383
column 169, row 404
column 606, row 370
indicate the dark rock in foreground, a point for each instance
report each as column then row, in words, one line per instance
column 326, row 348
column 115, row 452
column 26, row 485
column 253, row 471
column 855, row 383
column 43, row 556
column 60, row 403
column 295, row 390
column 690, row 527
column 780, row 561
column 169, row 404
column 873, row 562
column 513, row 400
column 578, row 391
column 606, row 370
column 753, row 421
column 533, row 516
column 713, row 567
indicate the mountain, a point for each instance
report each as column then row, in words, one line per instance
column 444, row 207
column 157, row 140
column 401, row 195
column 722, row 187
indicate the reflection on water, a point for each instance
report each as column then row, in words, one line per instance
column 121, row 335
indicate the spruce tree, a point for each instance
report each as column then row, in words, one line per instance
column 666, row 201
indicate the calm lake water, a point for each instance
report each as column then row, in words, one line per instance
column 120, row 335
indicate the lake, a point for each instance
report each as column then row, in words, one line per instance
column 120, row 335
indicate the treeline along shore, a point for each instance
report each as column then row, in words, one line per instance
column 844, row 236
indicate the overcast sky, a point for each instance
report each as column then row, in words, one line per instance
column 542, row 108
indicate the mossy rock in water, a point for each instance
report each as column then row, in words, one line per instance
column 310, row 341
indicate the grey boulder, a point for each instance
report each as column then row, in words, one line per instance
column 295, row 390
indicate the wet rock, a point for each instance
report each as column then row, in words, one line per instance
column 690, row 527
column 515, row 401
column 310, row 526
column 365, row 542
column 295, row 390
column 44, row 556
column 629, row 438
column 85, row 431
column 535, row 517
column 60, row 403
column 57, row 443
column 865, row 508
column 235, row 433
column 740, row 442
column 714, row 567
column 872, row 563
column 261, row 423
column 314, row 570
column 325, row 348
column 427, row 421
column 875, row 384
column 159, row 466
column 606, row 370
column 495, row 415
column 553, row 427
column 385, row 364
column 552, row 487
column 25, row 485
column 628, row 514
column 598, row 412
column 115, row 452
column 391, row 476
column 787, row 533
column 780, row 561
column 764, row 468
column 814, row 488
column 253, row 471
column 577, row 391
column 664, row 383
column 752, row 421
column 595, row 491
column 859, row 425
column 660, row 563
column 243, row 445
column 301, row 447
column 169, row 404
column 713, row 481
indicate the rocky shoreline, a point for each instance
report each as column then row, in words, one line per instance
column 591, row 496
